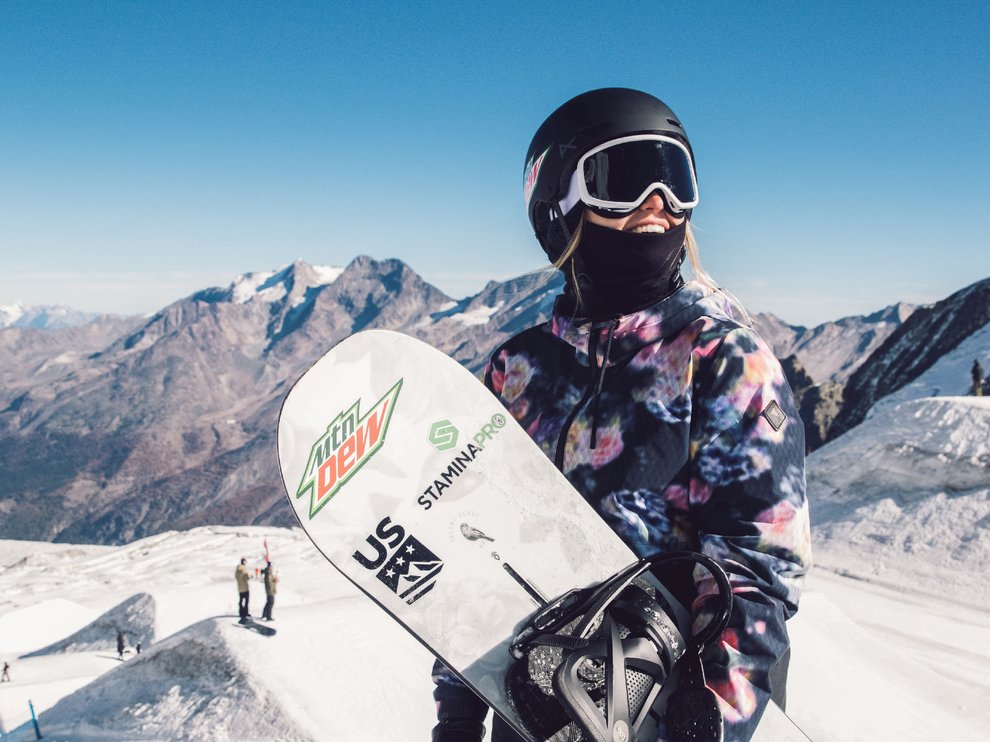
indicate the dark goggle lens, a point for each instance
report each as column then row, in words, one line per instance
column 622, row 172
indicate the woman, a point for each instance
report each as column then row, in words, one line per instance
column 653, row 395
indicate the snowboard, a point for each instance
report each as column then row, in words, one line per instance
column 259, row 628
column 412, row 480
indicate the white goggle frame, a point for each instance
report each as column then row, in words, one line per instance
column 578, row 190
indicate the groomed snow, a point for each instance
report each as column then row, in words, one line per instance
column 892, row 640
column 865, row 665
column 41, row 624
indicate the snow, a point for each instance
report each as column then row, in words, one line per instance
column 870, row 663
column 70, row 356
column 337, row 662
column 270, row 286
column 249, row 286
column 327, row 274
column 904, row 498
column 42, row 623
column 10, row 313
column 949, row 376
column 892, row 641
column 479, row 316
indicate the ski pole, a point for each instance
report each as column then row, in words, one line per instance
column 34, row 720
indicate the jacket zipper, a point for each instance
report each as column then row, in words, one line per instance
column 595, row 382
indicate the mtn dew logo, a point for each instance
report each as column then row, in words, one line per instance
column 350, row 441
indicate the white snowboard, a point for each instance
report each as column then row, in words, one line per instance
column 411, row 479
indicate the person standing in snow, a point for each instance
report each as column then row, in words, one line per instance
column 120, row 644
column 977, row 372
column 654, row 395
column 271, row 586
column 243, row 589
column 5, row 677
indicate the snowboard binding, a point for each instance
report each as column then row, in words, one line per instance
column 610, row 662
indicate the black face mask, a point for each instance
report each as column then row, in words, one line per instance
column 621, row 272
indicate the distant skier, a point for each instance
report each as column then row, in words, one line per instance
column 5, row 677
column 271, row 584
column 977, row 378
column 120, row 644
column 242, row 576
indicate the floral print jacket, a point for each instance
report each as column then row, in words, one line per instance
column 676, row 423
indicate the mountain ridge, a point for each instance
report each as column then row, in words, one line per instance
column 168, row 421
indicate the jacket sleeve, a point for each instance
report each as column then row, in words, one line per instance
column 460, row 713
column 747, row 503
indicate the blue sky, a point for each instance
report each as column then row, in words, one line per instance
column 150, row 149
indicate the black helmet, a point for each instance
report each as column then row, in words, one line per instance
column 582, row 123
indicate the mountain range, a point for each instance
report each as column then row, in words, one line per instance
column 46, row 317
column 122, row 427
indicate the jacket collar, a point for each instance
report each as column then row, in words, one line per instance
column 632, row 332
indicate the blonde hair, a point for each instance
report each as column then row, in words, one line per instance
column 700, row 274
column 691, row 245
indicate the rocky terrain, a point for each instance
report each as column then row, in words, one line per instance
column 119, row 428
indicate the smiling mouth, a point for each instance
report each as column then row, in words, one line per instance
column 649, row 229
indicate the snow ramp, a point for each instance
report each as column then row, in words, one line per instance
column 323, row 676
column 135, row 617
column 193, row 685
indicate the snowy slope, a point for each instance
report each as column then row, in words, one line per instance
column 949, row 376
column 209, row 678
column 338, row 669
column 135, row 617
column 904, row 498
column 217, row 680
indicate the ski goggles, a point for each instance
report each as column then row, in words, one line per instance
column 614, row 178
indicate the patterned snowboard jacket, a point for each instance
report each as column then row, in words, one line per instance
column 677, row 425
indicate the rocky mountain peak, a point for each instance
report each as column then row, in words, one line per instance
column 927, row 335
column 114, row 431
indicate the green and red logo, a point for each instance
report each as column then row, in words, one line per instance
column 350, row 441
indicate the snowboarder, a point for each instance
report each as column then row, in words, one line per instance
column 977, row 372
column 242, row 577
column 271, row 583
column 5, row 677
column 653, row 394
column 120, row 644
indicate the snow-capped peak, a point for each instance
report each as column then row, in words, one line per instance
column 10, row 313
column 248, row 285
column 271, row 286
column 43, row 317
column 327, row 274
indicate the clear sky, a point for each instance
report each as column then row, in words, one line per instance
column 151, row 149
